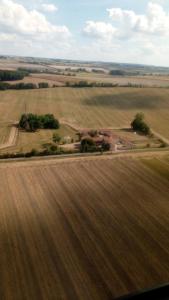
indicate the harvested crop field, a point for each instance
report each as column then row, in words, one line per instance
column 91, row 107
column 64, row 236
column 149, row 81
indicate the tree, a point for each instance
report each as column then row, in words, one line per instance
column 43, row 85
column 56, row 138
column 32, row 122
column 105, row 146
column 138, row 124
column 88, row 145
column 48, row 121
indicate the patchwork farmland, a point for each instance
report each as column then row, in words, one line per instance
column 73, row 238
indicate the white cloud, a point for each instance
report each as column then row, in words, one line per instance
column 49, row 7
column 126, row 23
column 30, row 32
column 129, row 36
column 99, row 29
column 15, row 18
column 155, row 21
column 7, row 37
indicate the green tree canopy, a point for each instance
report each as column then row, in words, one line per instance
column 32, row 122
column 138, row 124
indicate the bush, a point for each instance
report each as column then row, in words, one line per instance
column 105, row 146
column 34, row 152
column 53, row 148
column 163, row 144
column 56, row 138
column 4, row 86
column 43, row 85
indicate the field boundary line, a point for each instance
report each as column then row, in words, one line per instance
column 85, row 157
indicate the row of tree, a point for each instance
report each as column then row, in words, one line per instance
column 6, row 75
column 84, row 83
column 22, row 86
column 32, row 122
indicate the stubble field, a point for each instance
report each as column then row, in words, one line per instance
column 148, row 81
column 66, row 237
column 60, row 80
column 90, row 107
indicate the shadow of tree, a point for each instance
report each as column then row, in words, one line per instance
column 126, row 101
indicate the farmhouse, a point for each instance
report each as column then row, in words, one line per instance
column 100, row 137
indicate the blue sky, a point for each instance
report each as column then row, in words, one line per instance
column 108, row 30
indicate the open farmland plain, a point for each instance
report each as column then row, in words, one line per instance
column 147, row 81
column 66, row 237
column 36, row 80
column 90, row 107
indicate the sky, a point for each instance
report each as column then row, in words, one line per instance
column 128, row 31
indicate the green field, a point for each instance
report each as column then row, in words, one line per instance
column 37, row 140
column 90, row 107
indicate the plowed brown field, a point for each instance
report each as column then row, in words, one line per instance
column 82, row 229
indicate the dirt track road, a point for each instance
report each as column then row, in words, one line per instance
column 78, row 158
column 160, row 136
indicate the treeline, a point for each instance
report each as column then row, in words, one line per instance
column 33, row 153
column 98, row 71
column 22, row 86
column 123, row 73
column 84, row 83
column 32, row 122
column 12, row 75
column 41, row 71
column 29, row 70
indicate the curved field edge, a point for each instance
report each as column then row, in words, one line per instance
column 84, row 229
